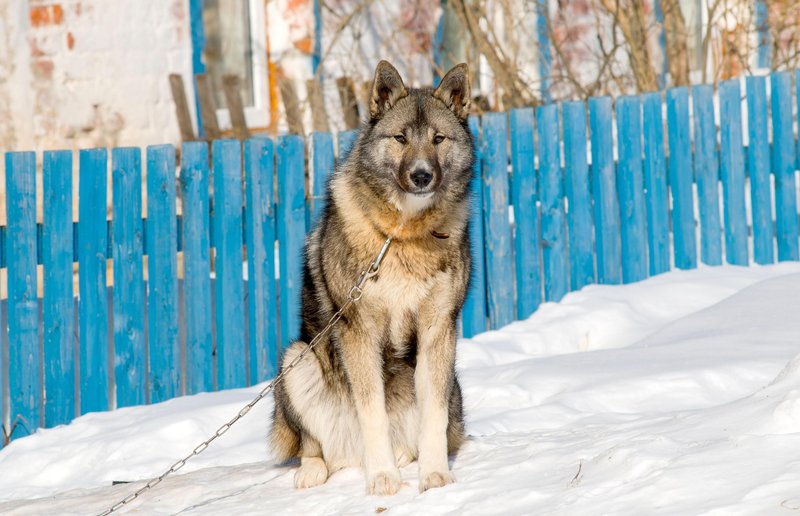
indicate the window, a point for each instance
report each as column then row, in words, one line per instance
column 228, row 47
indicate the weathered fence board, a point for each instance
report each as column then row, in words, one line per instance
column 526, row 215
column 631, row 190
column 783, row 166
column 577, row 187
column 259, row 163
column 758, row 168
column 604, row 192
column 706, row 173
column 129, row 295
column 655, row 184
column 607, row 222
column 732, row 172
column 497, row 229
column 680, row 178
column 93, row 297
column 25, row 400
column 196, row 267
column 473, row 314
column 162, row 267
column 228, row 263
column 291, row 233
column 58, row 303
column 551, row 186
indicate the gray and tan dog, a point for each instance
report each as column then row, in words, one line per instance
column 381, row 390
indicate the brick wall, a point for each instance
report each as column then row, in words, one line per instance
column 80, row 73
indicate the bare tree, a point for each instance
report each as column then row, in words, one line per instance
column 629, row 17
column 676, row 38
column 784, row 30
column 598, row 47
column 516, row 91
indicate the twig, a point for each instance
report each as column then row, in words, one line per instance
column 576, row 480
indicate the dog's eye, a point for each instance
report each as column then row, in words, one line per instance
column 438, row 139
column 400, row 138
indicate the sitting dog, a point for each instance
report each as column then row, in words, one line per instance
column 380, row 390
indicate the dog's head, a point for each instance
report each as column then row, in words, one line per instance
column 417, row 148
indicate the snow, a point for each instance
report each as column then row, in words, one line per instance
column 676, row 395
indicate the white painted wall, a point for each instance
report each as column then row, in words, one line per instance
column 82, row 73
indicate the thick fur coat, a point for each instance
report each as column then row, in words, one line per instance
column 381, row 390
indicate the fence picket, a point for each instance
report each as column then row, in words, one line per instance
column 579, row 200
column 604, row 191
column 93, row 296
column 228, row 263
column 291, row 233
column 128, row 294
column 732, row 172
column 783, row 166
column 499, row 283
column 58, row 303
column 551, row 186
column 706, row 173
column 196, row 267
column 24, row 387
column 655, row 183
column 758, row 167
column 259, row 163
column 162, row 267
column 680, row 178
column 473, row 314
column 322, row 167
column 526, row 214
column 631, row 189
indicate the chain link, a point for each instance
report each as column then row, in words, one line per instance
column 353, row 296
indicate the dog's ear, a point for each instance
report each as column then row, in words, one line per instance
column 454, row 90
column 387, row 89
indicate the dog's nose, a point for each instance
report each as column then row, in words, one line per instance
column 421, row 177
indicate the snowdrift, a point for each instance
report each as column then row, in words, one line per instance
column 676, row 395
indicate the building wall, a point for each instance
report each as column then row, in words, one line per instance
column 82, row 73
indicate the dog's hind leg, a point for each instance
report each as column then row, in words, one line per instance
column 284, row 438
column 327, row 432
column 312, row 471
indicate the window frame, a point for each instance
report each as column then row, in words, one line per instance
column 256, row 116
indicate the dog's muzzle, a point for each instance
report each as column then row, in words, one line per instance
column 421, row 178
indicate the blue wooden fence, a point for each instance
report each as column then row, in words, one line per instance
column 205, row 311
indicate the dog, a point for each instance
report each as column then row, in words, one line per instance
column 381, row 391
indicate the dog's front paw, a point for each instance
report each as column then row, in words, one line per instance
column 435, row 479
column 384, row 483
column 312, row 473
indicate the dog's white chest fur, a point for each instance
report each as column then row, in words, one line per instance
column 399, row 296
column 412, row 204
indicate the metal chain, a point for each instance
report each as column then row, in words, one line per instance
column 353, row 296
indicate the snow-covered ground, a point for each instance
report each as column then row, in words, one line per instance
column 676, row 395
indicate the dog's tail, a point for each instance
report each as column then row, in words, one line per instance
column 284, row 440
